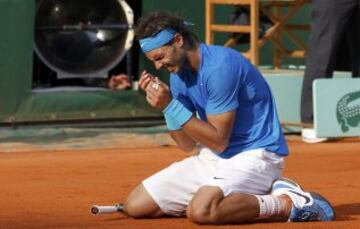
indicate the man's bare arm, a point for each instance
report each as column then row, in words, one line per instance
column 183, row 140
column 215, row 133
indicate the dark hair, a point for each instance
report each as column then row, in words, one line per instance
column 153, row 23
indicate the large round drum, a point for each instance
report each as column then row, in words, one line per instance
column 83, row 38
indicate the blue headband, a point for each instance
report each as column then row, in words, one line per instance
column 161, row 38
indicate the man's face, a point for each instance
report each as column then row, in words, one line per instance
column 170, row 57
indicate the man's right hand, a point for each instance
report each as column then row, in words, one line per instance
column 158, row 94
column 145, row 80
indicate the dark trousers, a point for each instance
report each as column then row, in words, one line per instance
column 331, row 21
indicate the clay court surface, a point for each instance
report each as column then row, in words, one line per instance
column 55, row 189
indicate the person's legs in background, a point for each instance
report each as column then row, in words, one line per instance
column 329, row 20
column 353, row 35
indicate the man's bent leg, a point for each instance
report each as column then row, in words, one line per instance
column 140, row 204
column 169, row 191
column 223, row 198
column 209, row 206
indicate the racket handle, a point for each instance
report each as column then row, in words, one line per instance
column 97, row 209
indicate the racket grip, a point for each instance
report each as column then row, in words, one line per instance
column 97, row 209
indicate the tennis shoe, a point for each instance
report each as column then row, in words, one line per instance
column 307, row 206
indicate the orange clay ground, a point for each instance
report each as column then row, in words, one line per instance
column 55, row 189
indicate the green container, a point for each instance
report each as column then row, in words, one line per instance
column 19, row 104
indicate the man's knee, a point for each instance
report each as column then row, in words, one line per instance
column 203, row 207
column 133, row 209
column 140, row 204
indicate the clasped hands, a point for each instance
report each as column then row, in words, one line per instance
column 157, row 92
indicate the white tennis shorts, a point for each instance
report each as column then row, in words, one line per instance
column 251, row 172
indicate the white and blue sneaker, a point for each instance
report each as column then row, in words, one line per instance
column 307, row 206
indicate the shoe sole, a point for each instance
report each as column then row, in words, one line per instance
column 287, row 180
column 297, row 189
